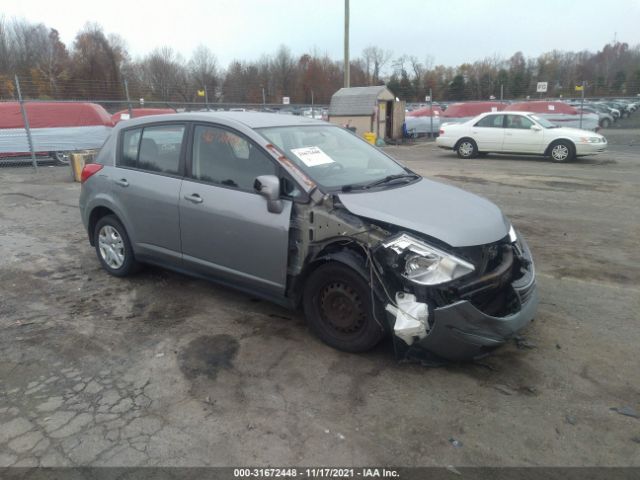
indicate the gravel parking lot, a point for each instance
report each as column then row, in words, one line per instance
column 162, row 369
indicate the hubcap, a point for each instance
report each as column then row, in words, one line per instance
column 560, row 152
column 63, row 157
column 341, row 308
column 466, row 149
column 111, row 247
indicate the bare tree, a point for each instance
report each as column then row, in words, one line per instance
column 203, row 70
column 375, row 58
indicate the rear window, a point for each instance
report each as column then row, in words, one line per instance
column 155, row 148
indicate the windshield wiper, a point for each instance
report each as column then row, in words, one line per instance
column 390, row 178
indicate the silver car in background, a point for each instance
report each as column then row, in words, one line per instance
column 308, row 215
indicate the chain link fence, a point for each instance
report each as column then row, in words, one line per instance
column 45, row 131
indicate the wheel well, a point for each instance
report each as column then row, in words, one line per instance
column 455, row 147
column 557, row 140
column 350, row 255
column 96, row 214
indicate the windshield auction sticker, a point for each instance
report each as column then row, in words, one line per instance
column 312, row 156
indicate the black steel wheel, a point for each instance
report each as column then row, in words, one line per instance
column 338, row 306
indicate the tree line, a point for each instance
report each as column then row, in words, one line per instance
column 96, row 66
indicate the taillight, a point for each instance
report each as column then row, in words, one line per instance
column 441, row 132
column 88, row 170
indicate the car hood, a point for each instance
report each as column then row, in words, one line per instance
column 451, row 215
column 574, row 133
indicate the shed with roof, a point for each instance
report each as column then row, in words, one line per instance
column 368, row 109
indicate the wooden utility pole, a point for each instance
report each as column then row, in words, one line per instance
column 347, row 73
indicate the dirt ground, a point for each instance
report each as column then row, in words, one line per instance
column 162, row 369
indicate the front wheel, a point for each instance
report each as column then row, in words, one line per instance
column 467, row 148
column 338, row 305
column 562, row 151
column 113, row 247
column 605, row 123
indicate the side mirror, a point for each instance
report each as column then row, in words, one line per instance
column 269, row 187
column 536, row 128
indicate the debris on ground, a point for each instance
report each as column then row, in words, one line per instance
column 558, row 346
column 571, row 420
column 504, row 389
column 455, row 443
column 453, row 469
column 522, row 343
column 636, row 439
column 627, row 411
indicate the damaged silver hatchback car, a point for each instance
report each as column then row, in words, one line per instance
column 308, row 215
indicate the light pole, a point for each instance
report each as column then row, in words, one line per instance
column 347, row 73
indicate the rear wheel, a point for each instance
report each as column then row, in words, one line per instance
column 606, row 123
column 467, row 148
column 113, row 247
column 62, row 158
column 338, row 306
column 562, row 151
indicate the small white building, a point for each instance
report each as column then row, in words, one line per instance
column 368, row 109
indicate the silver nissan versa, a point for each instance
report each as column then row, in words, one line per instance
column 308, row 215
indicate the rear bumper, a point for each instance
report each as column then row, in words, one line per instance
column 444, row 142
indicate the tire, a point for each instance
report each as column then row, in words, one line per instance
column 62, row 158
column 606, row 123
column 113, row 247
column 467, row 148
column 562, row 151
column 337, row 305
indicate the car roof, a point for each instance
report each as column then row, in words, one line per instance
column 248, row 119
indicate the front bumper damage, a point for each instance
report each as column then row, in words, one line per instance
column 461, row 330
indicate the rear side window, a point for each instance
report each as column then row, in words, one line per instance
column 491, row 121
column 154, row 148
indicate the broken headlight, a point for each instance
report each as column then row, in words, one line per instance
column 427, row 265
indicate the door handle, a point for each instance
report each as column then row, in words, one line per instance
column 509, row 134
column 194, row 198
column 122, row 182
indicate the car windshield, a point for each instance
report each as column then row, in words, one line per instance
column 543, row 122
column 334, row 157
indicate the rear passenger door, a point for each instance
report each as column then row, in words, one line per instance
column 226, row 229
column 488, row 133
column 147, row 180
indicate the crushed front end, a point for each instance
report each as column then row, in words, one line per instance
column 456, row 304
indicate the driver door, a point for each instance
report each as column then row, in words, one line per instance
column 226, row 230
column 519, row 137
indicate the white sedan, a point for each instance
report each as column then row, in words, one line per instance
column 518, row 132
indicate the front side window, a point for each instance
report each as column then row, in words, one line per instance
column 544, row 122
column 519, row 122
column 490, row 121
column 154, row 148
column 225, row 158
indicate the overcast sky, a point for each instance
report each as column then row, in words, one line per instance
column 450, row 31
